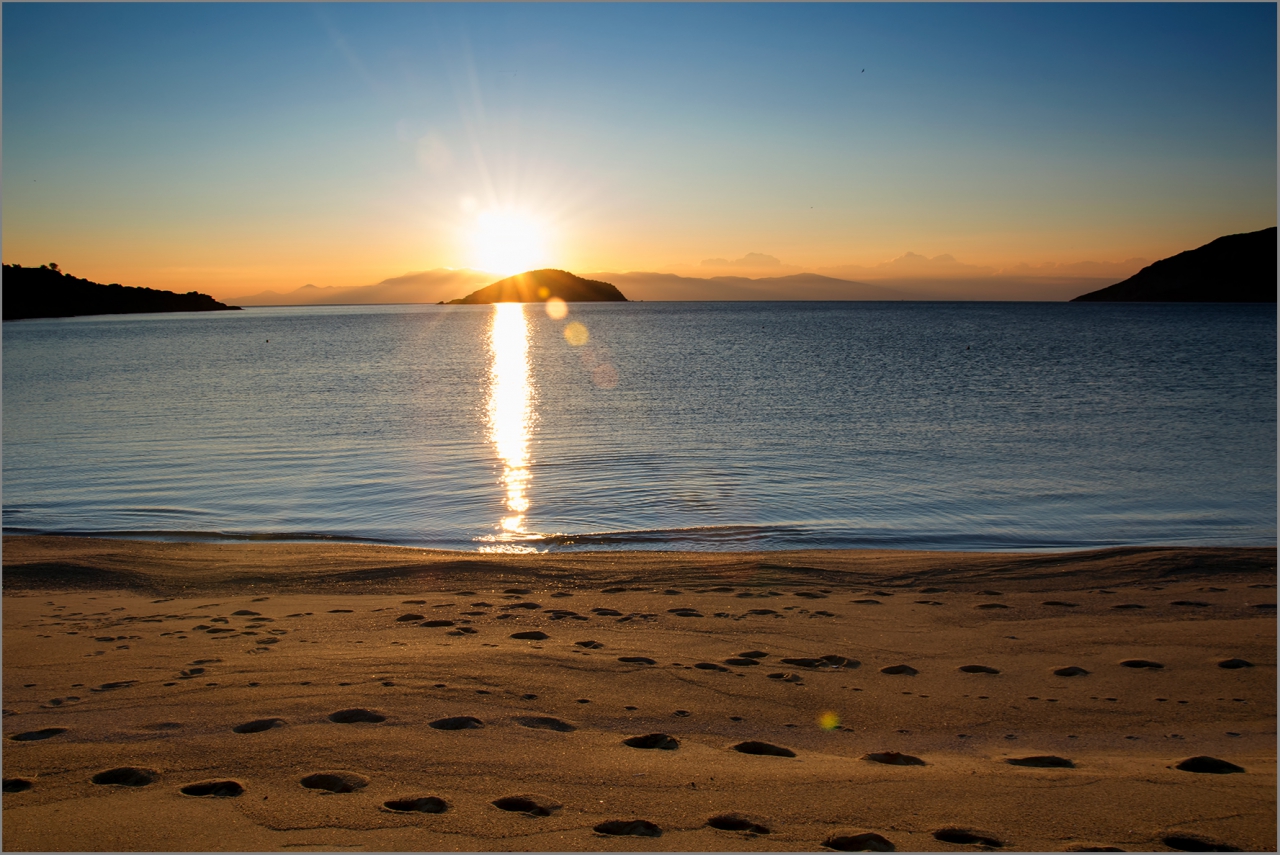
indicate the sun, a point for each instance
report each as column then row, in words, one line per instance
column 507, row 242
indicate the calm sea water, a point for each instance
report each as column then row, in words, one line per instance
column 671, row 426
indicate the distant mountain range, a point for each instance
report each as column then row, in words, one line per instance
column 1232, row 269
column 668, row 286
column 430, row 286
column 47, row 292
column 538, row 286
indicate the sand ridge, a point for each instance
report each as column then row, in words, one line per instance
column 722, row 707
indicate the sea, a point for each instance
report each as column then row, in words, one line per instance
column 656, row 426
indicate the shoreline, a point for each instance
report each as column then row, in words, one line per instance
column 917, row 694
column 35, row 561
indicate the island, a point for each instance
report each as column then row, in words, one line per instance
column 47, row 292
column 1232, row 269
column 538, row 286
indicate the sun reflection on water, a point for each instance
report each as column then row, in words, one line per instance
column 511, row 418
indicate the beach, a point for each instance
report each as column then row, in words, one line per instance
column 270, row 696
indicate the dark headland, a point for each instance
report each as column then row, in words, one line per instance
column 1233, row 269
column 538, row 286
column 46, row 292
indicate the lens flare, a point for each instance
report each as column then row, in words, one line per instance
column 556, row 309
column 828, row 721
column 576, row 334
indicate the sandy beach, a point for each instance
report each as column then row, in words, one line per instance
column 273, row 696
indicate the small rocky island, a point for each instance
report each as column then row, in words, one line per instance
column 47, row 292
column 1233, row 269
column 538, row 286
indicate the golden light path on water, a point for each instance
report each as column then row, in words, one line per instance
column 511, row 419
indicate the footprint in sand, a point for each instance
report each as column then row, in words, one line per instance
column 357, row 714
column 761, row 612
column 763, row 749
column 867, row 602
column 589, row 645
column 978, row 669
column 61, row 702
column 259, row 725
column 531, row 635
column 543, row 722
column 1208, row 766
column 17, row 785
column 335, row 782
column 1196, row 604
column 737, row 822
column 831, row 660
column 457, row 722
column 637, row 660
column 439, row 622
column 660, row 741
column 629, row 828
column 1060, row 604
column 1070, row 671
column 967, row 837
column 905, row 670
column 126, row 776
column 1184, row 842
column 528, row 804
column 785, row 676
column 991, row 606
column 741, row 662
column 1042, row 761
column 893, row 758
column 1140, row 663
column 514, row 606
column 711, row 666
column 866, row 842
column 420, row 804
column 1129, row 606
column 408, row 617
column 1232, row 664
column 37, row 735
column 217, row 789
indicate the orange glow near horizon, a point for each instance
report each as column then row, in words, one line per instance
column 511, row 420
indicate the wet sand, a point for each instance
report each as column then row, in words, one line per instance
column 265, row 696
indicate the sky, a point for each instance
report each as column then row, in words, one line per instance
column 231, row 148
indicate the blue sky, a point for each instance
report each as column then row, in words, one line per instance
column 233, row 147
